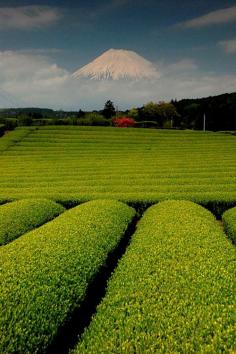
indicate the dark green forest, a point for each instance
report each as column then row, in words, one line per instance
column 220, row 112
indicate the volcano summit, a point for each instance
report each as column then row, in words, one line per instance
column 118, row 64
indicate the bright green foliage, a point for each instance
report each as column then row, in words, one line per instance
column 173, row 291
column 133, row 113
column 24, row 215
column 229, row 220
column 14, row 137
column 45, row 273
column 93, row 118
column 160, row 112
column 142, row 165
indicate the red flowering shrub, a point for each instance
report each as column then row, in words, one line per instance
column 122, row 122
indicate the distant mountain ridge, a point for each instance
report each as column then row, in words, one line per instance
column 118, row 64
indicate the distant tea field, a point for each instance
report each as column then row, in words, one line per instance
column 106, row 243
column 74, row 164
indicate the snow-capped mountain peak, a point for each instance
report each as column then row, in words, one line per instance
column 118, row 64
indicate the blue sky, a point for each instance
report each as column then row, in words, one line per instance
column 191, row 42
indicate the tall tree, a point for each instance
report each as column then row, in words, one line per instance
column 159, row 112
column 133, row 113
column 109, row 109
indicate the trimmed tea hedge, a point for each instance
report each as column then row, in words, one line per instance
column 14, row 137
column 229, row 220
column 173, row 291
column 18, row 217
column 71, row 163
column 45, row 273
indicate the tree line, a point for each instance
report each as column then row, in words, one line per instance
column 219, row 112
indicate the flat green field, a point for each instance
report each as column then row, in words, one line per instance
column 132, row 165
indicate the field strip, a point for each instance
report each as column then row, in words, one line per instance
column 19, row 217
column 173, row 290
column 84, row 163
column 45, row 273
column 11, row 139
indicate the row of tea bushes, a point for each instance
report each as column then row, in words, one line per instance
column 124, row 164
column 229, row 221
column 173, row 291
column 46, row 272
column 14, row 137
column 18, row 217
column 217, row 202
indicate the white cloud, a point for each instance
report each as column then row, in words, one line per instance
column 229, row 46
column 23, row 76
column 27, row 17
column 195, row 85
column 217, row 17
column 16, row 66
column 183, row 65
column 35, row 80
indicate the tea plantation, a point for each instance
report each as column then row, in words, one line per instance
column 137, row 264
column 79, row 164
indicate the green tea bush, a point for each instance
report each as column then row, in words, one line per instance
column 18, row 217
column 131, row 165
column 14, row 137
column 173, row 290
column 46, row 272
column 229, row 221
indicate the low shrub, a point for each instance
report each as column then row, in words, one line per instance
column 10, row 123
column 18, row 217
column 24, row 121
column 93, row 119
column 43, row 121
column 229, row 221
column 46, row 272
column 2, row 129
column 123, row 122
column 173, row 291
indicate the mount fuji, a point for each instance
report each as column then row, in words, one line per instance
column 118, row 64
